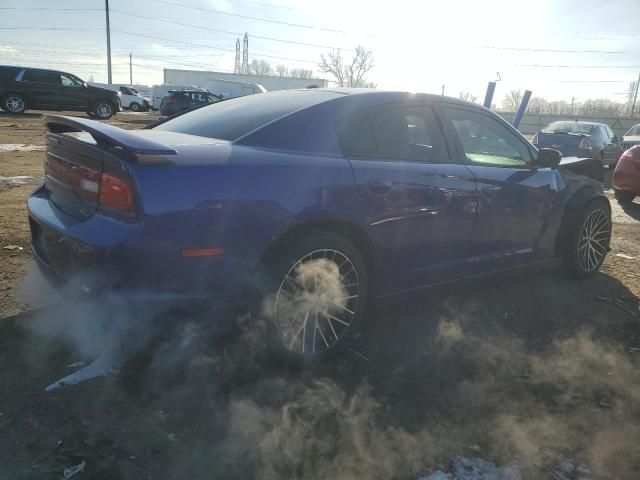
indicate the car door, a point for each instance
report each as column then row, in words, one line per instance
column 73, row 94
column 44, row 88
column 417, row 203
column 612, row 147
column 516, row 200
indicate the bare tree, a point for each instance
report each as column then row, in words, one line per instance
column 282, row 70
column 301, row 73
column 511, row 101
column 259, row 67
column 467, row 97
column 601, row 106
column 537, row 105
column 349, row 74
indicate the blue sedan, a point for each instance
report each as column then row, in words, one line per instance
column 312, row 202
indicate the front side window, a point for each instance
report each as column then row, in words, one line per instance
column 41, row 76
column 68, row 81
column 609, row 131
column 393, row 133
column 486, row 141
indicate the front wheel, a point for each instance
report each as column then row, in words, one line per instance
column 104, row 110
column 316, row 296
column 135, row 107
column 14, row 103
column 588, row 240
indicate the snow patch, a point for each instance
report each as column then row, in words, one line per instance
column 19, row 180
column 20, row 147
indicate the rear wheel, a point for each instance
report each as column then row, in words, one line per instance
column 135, row 107
column 588, row 240
column 14, row 103
column 624, row 196
column 316, row 295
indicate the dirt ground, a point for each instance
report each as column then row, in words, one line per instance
column 533, row 370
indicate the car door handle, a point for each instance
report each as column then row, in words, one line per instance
column 379, row 187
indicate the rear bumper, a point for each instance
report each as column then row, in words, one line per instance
column 132, row 260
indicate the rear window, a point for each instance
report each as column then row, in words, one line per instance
column 633, row 131
column 569, row 127
column 42, row 76
column 9, row 73
column 233, row 118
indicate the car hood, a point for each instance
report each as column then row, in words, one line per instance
column 102, row 91
column 631, row 138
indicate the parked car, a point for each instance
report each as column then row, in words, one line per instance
column 181, row 100
column 626, row 176
column 315, row 200
column 581, row 139
column 631, row 138
column 23, row 88
column 130, row 98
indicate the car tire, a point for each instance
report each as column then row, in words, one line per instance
column 325, row 315
column 14, row 103
column 135, row 107
column 104, row 109
column 588, row 239
column 624, row 196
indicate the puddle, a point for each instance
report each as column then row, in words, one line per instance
column 20, row 147
column 19, row 180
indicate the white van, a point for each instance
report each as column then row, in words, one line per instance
column 129, row 96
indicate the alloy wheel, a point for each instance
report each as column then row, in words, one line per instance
column 104, row 110
column 316, row 302
column 593, row 243
column 14, row 104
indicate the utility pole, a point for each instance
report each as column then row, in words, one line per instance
column 443, row 89
column 573, row 99
column 106, row 9
column 635, row 96
column 130, row 71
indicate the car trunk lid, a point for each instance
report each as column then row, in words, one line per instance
column 567, row 143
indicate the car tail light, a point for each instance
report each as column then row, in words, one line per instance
column 534, row 140
column 171, row 100
column 116, row 193
column 585, row 144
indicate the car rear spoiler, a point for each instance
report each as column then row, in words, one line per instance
column 108, row 134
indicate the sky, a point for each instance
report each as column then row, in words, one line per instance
column 559, row 49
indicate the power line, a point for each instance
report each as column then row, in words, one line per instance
column 536, row 65
column 208, row 46
column 259, row 19
column 53, row 9
column 273, row 39
column 546, row 50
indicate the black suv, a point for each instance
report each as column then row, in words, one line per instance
column 22, row 88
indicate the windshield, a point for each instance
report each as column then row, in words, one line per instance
column 633, row 131
column 569, row 127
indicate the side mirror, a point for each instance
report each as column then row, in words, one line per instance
column 547, row 158
column 615, row 139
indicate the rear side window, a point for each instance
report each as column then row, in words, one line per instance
column 8, row 74
column 41, row 76
column 394, row 133
column 233, row 118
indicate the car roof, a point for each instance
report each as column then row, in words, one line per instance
column 385, row 95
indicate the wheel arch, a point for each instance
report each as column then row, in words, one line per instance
column 346, row 228
column 575, row 204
